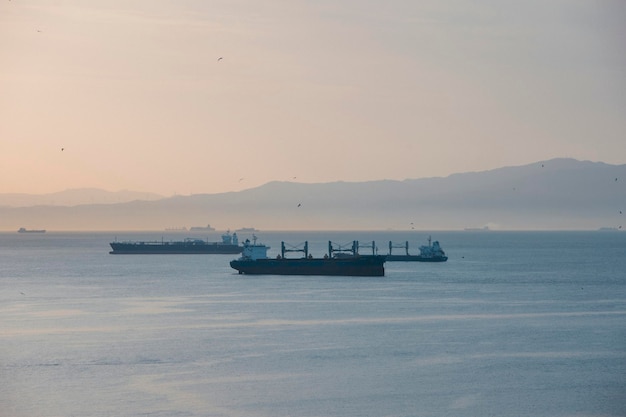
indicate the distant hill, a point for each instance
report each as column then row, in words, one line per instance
column 554, row 194
column 75, row 197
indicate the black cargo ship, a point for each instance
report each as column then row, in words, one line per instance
column 428, row 253
column 228, row 245
column 338, row 262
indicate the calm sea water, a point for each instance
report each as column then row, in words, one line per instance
column 514, row 324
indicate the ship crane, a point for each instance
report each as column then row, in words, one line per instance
column 341, row 249
column 369, row 245
column 399, row 246
column 304, row 250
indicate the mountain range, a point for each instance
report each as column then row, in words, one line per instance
column 547, row 195
column 74, row 197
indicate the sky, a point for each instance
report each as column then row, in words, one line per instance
column 202, row 96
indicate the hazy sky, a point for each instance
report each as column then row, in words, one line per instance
column 351, row 90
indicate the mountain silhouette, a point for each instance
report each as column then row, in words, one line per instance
column 553, row 194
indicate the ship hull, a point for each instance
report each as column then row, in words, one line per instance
column 172, row 248
column 415, row 258
column 354, row 266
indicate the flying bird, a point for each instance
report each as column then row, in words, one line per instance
column 62, row 149
column 219, row 59
column 299, row 204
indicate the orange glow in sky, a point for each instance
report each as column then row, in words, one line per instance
column 134, row 95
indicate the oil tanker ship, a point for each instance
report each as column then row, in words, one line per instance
column 254, row 260
column 228, row 245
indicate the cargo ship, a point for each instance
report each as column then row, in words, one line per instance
column 337, row 262
column 228, row 245
column 248, row 229
column 24, row 230
column 206, row 228
column 428, row 253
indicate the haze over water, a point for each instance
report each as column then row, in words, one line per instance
column 514, row 324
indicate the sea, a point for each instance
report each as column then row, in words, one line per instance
column 513, row 324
